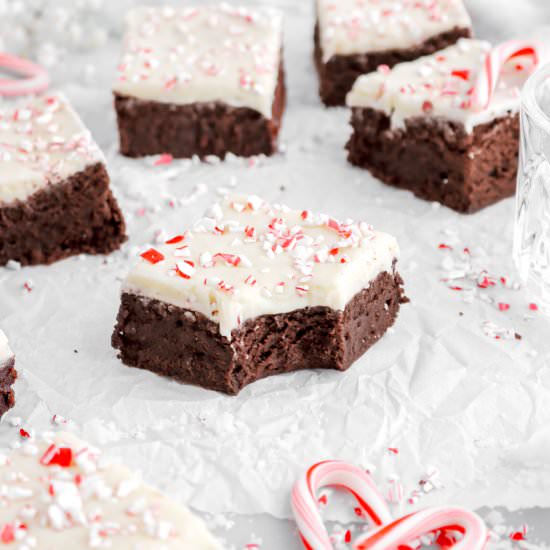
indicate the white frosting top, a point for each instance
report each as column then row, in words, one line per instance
column 361, row 26
column 42, row 142
column 247, row 258
column 60, row 493
column 441, row 85
column 5, row 351
column 202, row 54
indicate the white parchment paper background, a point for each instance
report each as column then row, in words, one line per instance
column 437, row 387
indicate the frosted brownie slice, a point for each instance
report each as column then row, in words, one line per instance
column 257, row 289
column 416, row 127
column 8, row 375
column 55, row 198
column 356, row 37
column 60, row 492
column 201, row 81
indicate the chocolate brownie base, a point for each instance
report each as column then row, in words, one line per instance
column 437, row 159
column 337, row 75
column 78, row 215
column 202, row 129
column 8, row 375
column 187, row 346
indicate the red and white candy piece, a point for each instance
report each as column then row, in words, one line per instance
column 430, row 520
column 35, row 78
column 488, row 78
column 333, row 473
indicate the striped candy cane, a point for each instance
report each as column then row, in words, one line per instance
column 333, row 473
column 35, row 79
column 488, row 78
column 426, row 521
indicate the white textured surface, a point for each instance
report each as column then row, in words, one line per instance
column 67, row 495
column 437, row 387
column 214, row 53
column 5, row 351
column 440, row 85
column 363, row 26
column 247, row 258
column 42, row 141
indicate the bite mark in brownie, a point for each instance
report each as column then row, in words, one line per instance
column 79, row 215
column 337, row 75
column 186, row 345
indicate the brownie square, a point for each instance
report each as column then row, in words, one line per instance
column 415, row 127
column 354, row 38
column 201, row 81
column 55, row 198
column 256, row 290
column 60, row 492
column 8, row 375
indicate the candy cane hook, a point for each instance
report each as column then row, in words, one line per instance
column 35, row 79
column 333, row 473
column 488, row 77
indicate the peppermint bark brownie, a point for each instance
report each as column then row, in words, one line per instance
column 416, row 127
column 55, row 199
column 8, row 375
column 201, row 81
column 60, row 492
column 255, row 290
column 356, row 37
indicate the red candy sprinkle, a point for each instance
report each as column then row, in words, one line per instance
column 8, row 533
column 443, row 246
column 503, row 307
column 165, row 158
column 152, row 256
column 533, row 307
column 24, row 433
column 347, row 536
column 231, row 259
column 427, row 107
column 59, row 456
column 176, row 239
column 323, row 499
column 464, row 74
column 181, row 273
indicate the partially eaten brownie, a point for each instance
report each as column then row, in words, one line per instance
column 257, row 289
column 201, row 81
column 415, row 127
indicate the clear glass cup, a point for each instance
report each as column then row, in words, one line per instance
column 532, row 223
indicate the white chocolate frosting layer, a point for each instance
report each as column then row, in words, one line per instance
column 5, row 351
column 441, row 85
column 349, row 27
column 247, row 258
column 42, row 142
column 202, row 54
column 61, row 493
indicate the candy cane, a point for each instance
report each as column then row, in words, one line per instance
column 426, row 521
column 334, row 474
column 488, row 78
column 36, row 81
